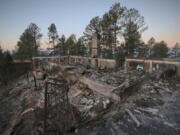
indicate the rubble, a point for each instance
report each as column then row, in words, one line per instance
column 100, row 102
column 91, row 105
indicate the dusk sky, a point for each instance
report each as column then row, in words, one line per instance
column 72, row 16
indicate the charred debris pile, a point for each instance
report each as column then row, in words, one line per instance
column 76, row 99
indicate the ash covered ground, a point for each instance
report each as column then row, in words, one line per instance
column 101, row 103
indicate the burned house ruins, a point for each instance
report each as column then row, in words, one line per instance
column 88, row 95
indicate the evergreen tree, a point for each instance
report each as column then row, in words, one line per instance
column 93, row 27
column 160, row 50
column 61, row 46
column 132, row 38
column 29, row 42
column 150, row 45
column 116, row 14
column 71, row 44
column 134, row 25
column 80, row 46
column 52, row 34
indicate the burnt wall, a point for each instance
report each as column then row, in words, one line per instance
column 92, row 62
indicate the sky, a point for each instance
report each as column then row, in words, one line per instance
column 72, row 16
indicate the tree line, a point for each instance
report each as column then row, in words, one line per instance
column 118, row 32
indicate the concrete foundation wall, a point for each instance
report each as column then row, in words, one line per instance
column 104, row 63
column 92, row 62
column 149, row 63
